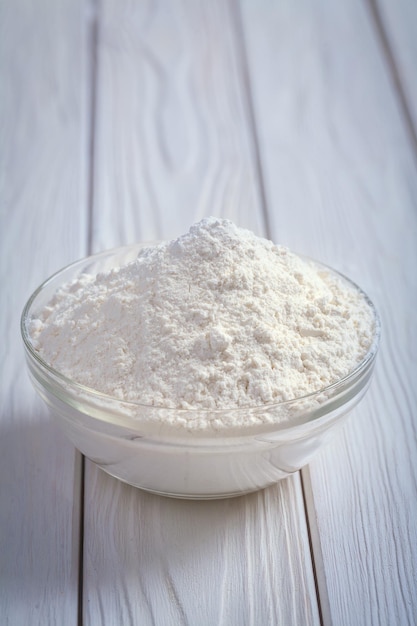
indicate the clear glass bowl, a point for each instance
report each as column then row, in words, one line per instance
column 139, row 444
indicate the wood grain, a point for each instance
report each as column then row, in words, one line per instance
column 169, row 90
column 340, row 183
column 153, row 560
column 42, row 225
column 173, row 143
column 312, row 140
column 397, row 23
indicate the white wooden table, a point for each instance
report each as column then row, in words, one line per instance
column 129, row 120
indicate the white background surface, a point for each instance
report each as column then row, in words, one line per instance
column 127, row 121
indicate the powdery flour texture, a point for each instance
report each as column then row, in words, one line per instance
column 218, row 318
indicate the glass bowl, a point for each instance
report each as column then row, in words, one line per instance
column 146, row 446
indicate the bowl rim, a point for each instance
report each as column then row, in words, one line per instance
column 330, row 390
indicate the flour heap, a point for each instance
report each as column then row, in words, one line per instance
column 218, row 318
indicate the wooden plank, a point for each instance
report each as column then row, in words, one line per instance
column 165, row 124
column 396, row 23
column 173, row 144
column 42, row 225
column 341, row 186
column 154, row 560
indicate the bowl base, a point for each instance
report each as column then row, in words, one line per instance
column 186, row 496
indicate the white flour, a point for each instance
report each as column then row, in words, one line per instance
column 218, row 318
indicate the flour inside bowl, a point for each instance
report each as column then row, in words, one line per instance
column 218, row 318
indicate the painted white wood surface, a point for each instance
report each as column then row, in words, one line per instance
column 42, row 227
column 173, row 143
column 153, row 560
column 341, row 186
column 172, row 139
column 399, row 21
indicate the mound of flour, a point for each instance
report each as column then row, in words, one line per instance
column 218, row 318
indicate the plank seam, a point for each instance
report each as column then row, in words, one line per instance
column 92, row 50
column 394, row 72
column 317, row 561
column 92, row 96
column 81, row 544
column 249, row 106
